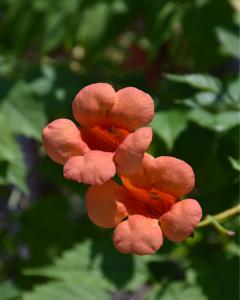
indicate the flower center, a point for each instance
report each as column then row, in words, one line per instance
column 104, row 138
column 148, row 202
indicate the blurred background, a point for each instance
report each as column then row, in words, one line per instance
column 185, row 54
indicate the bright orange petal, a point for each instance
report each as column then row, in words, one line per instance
column 95, row 168
column 179, row 222
column 138, row 235
column 129, row 155
column 104, row 206
column 92, row 104
column 171, row 175
column 62, row 140
column 133, row 109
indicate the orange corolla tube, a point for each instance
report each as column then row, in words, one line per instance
column 111, row 136
column 147, row 206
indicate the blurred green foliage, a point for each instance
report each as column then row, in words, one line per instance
column 186, row 55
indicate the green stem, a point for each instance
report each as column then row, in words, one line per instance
column 215, row 220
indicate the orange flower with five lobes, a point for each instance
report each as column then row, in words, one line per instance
column 111, row 137
column 147, row 206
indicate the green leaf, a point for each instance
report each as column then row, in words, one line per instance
column 229, row 42
column 199, row 81
column 68, row 291
column 233, row 91
column 8, row 144
column 107, row 268
column 177, row 291
column 226, row 120
column 73, row 263
column 43, row 85
column 7, row 65
column 232, row 249
column 11, row 153
column 25, row 114
column 75, row 273
column 93, row 23
column 235, row 163
column 17, row 172
column 169, row 124
column 219, row 122
column 205, row 98
column 202, row 99
column 8, row 291
column 215, row 270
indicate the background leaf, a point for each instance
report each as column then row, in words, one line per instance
column 235, row 163
column 99, row 262
column 168, row 125
column 198, row 81
column 66, row 290
column 229, row 42
column 8, row 291
column 218, row 122
column 177, row 291
column 25, row 113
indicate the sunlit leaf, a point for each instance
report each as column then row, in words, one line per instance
column 202, row 99
column 235, row 163
column 229, row 42
column 219, row 122
column 169, row 124
column 234, row 90
column 24, row 113
column 68, row 291
column 43, row 85
column 8, row 144
column 199, row 81
column 108, row 268
column 8, row 291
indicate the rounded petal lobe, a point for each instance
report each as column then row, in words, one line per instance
column 133, row 109
column 62, row 140
column 179, row 222
column 104, row 206
column 138, row 235
column 92, row 104
column 129, row 155
column 171, row 175
column 95, row 168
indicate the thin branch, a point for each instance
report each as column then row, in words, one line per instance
column 215, row 220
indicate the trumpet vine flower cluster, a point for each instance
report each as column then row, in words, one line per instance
column 113, row 138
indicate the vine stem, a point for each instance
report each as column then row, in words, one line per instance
column 215, row 220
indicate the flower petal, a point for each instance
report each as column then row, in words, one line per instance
column 140, row 179
column 92, row 104
column 133, row 109
column 104, row 205
column 130, row 153
column 179, row 222
column 62, row 140
column 138, row 235
column 171, row 175
column 95, row 168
